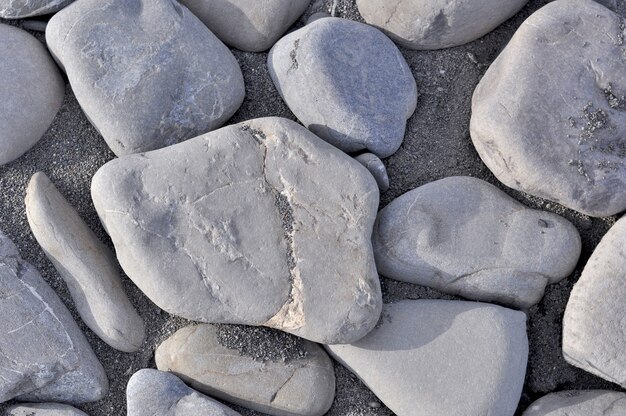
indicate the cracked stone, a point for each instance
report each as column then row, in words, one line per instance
column 32, row 91
column 252, row 26
column 547, row 117
column 85, row 264
column 347, row 82
column 201, row 229
column 376, row 168
column 442, row 358
column 594, row 327
column 579, row 403
column 464, row 236
column 147, row 73
column 19, row 9
column 152, row 392
column 43, row 354
column 301, row 386
column 437, row 24
column 43, row 409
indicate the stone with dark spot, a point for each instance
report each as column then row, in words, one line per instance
column 579, row 403
column 19, row 9
column 549, row 116
column 464, row 236
column 147, row 73
column 300, row 386
column 43, row 354
column 347, row 82
column 258, row 210
column 43, row 409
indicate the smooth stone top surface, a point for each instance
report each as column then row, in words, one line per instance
column 18, row 9
column 304, row 386
column 464, row 236
column 252, row 26
column 594, row 323
column 579, row 403
column 437, row 24
column 147, row 73
column 157, row 393
column 549, row 116
column 85, row 263
column 347, row 82
column 32, row 91
column 258, row 210
column 43, row 354
column 43, row 409
column 442, row 358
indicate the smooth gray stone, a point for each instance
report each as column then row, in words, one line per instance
column 157, row 393
column 579, row 403
column 464, row 236
column 299, row 387
column 347, row 82
column 43, row 409
column 549, row 116
column 376, row 168
column 43, row 354
column 442, row 358
column 147, row 73
column 19, row 9
column 317, row 16
column 437, row 24
column 252, row 26
column 85, row 263
column 208, row 227
column 594, row 324
column 32, row 91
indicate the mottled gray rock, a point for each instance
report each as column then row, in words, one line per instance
column 85, row 263
column 579, row 403
column 32, row 92
column 252, row 26
column 43, row 354
column 464, row 236
column 208, row 227
column 18, row 9
column 594, row 324
column 437, row 24
column 549, row 116
column 157, row 393
column 147, row 73
column 442, row 358
column 299, row 387
column 347, row 82
column 376, row 168
column 43, row 409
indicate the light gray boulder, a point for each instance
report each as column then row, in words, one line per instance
column 579, row 403
column 594, row 324
column 19, row 9
column 464, row 236
column 152, row 392
column 32, row 91
column 549, row 116
column 442, row 358
column 85, row 263
column 437, row 24
column 43, row 409
column 43, row 354
column 208, row 227
column 376, row 168
column 347, row 82
column 252, row 26
column 147, row 73
column 304, row 386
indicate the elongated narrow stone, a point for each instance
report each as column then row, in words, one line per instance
column 579, row 403
column 43, row 409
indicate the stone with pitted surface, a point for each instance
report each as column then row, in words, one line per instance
column 19, row 9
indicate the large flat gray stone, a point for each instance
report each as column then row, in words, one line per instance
column 549, row 116
column 464, row 236
column 579, row 403
column 147, row 73
column 258, row 210
column 32, row 91
column 442, row 358
column 347, row 82
column 19, row 9
column 303, row 386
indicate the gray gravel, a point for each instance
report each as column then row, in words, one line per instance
column 437, row 145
